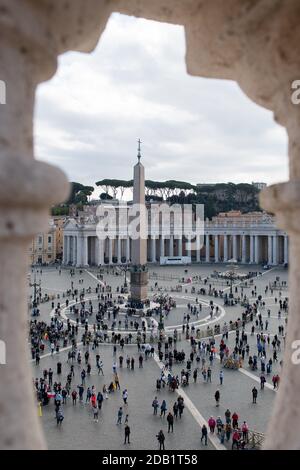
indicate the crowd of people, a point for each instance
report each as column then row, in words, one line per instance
column 196, row 357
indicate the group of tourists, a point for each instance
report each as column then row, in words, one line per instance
column 197, row 357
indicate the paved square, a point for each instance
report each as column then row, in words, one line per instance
column 80, row 431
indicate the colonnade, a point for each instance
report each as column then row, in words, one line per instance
column 83, row 250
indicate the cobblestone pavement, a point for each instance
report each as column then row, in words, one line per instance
column 78, row 430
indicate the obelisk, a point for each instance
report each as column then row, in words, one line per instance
column 139, row 271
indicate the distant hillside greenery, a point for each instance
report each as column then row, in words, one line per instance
column 79, row 195
column 221, row 197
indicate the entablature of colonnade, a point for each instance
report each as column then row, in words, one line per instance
column 249, row 232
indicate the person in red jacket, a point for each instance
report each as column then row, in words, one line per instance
column 235, row 420
column 235, row 439
column 212, row 424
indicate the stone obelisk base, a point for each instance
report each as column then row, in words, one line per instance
column 138, row 287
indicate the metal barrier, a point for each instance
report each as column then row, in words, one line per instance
column 255, row 440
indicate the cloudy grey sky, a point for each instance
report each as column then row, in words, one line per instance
column 90, row 115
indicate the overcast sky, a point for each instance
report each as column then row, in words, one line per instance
column 135, row 85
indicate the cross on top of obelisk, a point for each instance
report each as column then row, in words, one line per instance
column 139, row 150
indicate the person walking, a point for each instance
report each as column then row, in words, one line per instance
column 80, row 391
column 163, row 408
column 245, row 431
column 155, row 405
column 127, row 434
column 74, row 397
column 254, row 394
column 100, row 399
column 120, row 414
column 204, row 433
column 228, row 430
column 235, row 420
column 222, row 434
column 170, row 419
column 59, row 416
column 96, row 413
column 228, row 416
column 221, row 375
column 217, row 398
column 125, row 396
column 175, row 409
column 88, row 395
column 235, row 439
column 100, row 367
column 212, row 424
column 180, row 406
column 161, row 439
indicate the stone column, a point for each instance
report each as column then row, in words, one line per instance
column 153, row 249
column 110, row 251
column 285, row 250
column 198, row 248
column 28, row 188
column 180, row 246
column 70, row 254
column 171, row 251
column 256, row 249
column 251, row 249
column 275, row 251
column 225, row 248
column 74, row 250
column 207, row 249
column 284, row 200
column 65, row 250
column 216, row 248
column 234, row 248
column 119, row 251
column 188, row 247
column 97, row 251
column 79, row 250
column 162, row 246
column 127, row 249
column 70, row 249
column 270, row 257
column 101, row 251
column 244, row 249
column 85, row 251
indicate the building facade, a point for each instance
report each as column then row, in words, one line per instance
column 59, row 222
column 42, row 249
column 247, row 238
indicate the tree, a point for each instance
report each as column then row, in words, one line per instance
column 111, row 186
column 79, row 193
column 105, row 196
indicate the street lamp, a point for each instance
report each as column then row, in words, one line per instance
column 161, row 301
column 232, row 273
column 124, row 268
column 35, row 285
